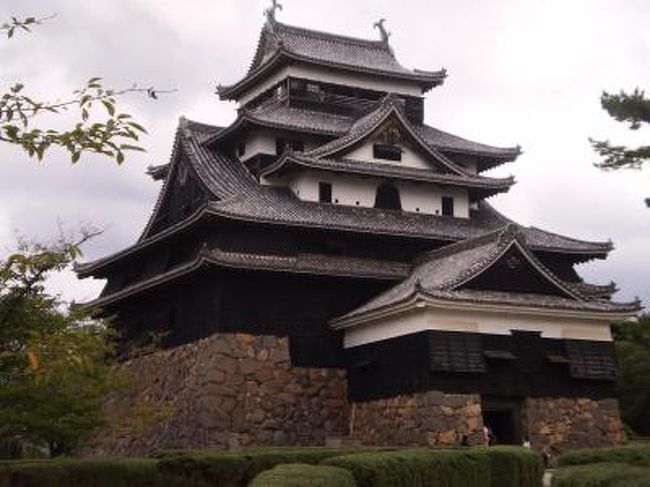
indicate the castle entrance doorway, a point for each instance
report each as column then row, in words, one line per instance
column 503, row 417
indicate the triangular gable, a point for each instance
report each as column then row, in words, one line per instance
column 181, row 191
column 517, row 270
column 388, row 125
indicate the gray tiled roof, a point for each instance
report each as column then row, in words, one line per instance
column 280, row 41
column 296, row 264
column 441, row 273
column 452, row 143
column 348, row 166
column 237, row 195
column 279, row 115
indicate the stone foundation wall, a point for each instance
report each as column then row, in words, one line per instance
column 426, row 418
column 558, row 424
column 228, row 390
column 236, row 390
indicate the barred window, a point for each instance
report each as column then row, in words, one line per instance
column 456, row 352
column 591, row 360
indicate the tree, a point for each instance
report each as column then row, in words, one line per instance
column 631, row 108
column 632, row 341
column 55, row 363
column 108, row 132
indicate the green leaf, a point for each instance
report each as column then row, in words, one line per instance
column 137, row 126
column 110, row 108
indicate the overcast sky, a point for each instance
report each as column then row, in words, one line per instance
column 526, row 72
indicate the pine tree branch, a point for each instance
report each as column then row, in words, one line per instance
column 618, row 156
column 633, row 108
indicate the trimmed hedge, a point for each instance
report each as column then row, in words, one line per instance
column 303, row 475
column 479, row 467
column 238, row 468
column 414, row 468
column 85, row 473
column 638, row 455
column 602, row 475
column 514, row 466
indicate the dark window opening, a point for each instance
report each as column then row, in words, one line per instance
column 297, row 145
column 282, row 145
column 241, row 149
column 325, row 192
column 447, row 206
column 387, row 152
column 388, row 197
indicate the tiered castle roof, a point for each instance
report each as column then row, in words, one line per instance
column 231, row 192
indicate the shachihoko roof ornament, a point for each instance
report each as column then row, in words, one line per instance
column 270, row 12
column 382, row 30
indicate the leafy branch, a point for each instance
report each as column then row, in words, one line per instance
column 110, row 132
column 16, row 24
column 632, row 108
column 111, row 137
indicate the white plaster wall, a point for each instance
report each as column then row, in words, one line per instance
column 359, row 191
column 328, row 76
column 259, row 142
column 410, row 158
column 497, row 323
column 263, row 142
column 346, row 190
column 420, row 198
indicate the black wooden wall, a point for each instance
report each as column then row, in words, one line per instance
column 519, row 365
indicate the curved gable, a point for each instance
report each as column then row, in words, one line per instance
column 516, row 270
column 388, row 126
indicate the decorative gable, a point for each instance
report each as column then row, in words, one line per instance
column 386, row 136
column 515, row 272
column 389, row 144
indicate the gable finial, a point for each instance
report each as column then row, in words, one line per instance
column 270, row 12
column 382, row 30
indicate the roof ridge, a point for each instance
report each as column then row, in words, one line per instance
column 515, row 149
column 324, row 35
column 462, row 245
column 608, row 243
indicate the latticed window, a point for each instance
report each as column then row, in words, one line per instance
column 590, row 360
column 387, row 152
column 456, row 352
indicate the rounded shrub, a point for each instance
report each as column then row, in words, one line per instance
column 304, row 475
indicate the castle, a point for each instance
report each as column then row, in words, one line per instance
column 327, row 268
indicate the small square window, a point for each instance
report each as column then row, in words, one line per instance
column 297, row 145
column 325, row 192
column 387, row 152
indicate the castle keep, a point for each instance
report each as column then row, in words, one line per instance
column 328, row 268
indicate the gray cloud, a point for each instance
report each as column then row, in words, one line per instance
column 521, row 72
